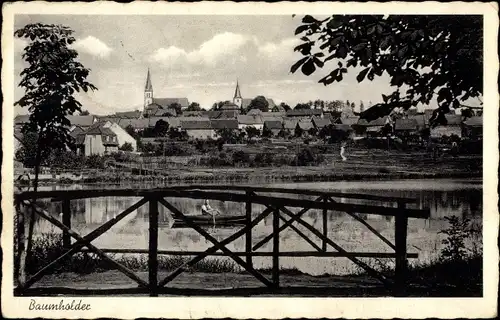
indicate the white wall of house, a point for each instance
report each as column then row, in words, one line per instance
column 440, row 131
column 123, row 136
column 201, row 133
column 257, row 126
column 93, row 145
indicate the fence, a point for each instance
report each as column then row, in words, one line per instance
column 276, row 206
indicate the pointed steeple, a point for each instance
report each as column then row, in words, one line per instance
column 237, row 93
column 149, row 85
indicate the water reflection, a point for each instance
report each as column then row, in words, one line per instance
column 443, row 198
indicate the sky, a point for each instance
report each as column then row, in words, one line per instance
column 198, row 57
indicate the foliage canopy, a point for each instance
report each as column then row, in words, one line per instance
column 425, row 56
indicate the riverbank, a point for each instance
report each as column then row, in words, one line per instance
column 440, row 279
column 377, row 167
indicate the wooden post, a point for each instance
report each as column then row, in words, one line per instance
column 248, row 235
column 66, row 220
column 325, row 225
column 153, row 247
column 276, row 248
column 401, row 226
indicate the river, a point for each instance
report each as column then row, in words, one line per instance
column 444, row 197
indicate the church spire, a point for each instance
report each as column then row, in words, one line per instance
column 237, row 93
column 148, row 92
column 237, row 100
column 149, row 85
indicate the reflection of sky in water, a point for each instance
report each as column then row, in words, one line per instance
column 442, row 197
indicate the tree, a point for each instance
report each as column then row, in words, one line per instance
column 467, row 113
column 252, row 132
column 227, row 135
column 313, row 131
column 127, row 146
column 259, row 102
column 319, row 104
column 285, row 134
column 177, row 107
column 84, row 113
column 299, row 106
column 27, row 153
column 161, row 128
column 131, row 131
column 218, row 105
column 194, row 106
column 298, row 131
column 425, row 56
column 283, row 105
column 51, row 78
column 266, row 132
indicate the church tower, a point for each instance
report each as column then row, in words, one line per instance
column 237, row 99
column 148, row 92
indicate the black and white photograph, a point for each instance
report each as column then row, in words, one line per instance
column 173, row 151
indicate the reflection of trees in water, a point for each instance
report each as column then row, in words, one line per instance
column 446, row 203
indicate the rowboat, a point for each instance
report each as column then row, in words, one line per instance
column 208, row 221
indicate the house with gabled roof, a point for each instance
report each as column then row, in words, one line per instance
column 103, row 137
column 273, row 126
column 406, row 127
column 473, row 127
column 136, row 124
column 305, row 125
column 136, row 114
column 223, row 114
column 218, row 124
column 255, row 121
column 320, row 123
column 198, row 129
column 290, row 124
column 373, row 127
column 304, row 113
column 452, row 127
column 349, row 120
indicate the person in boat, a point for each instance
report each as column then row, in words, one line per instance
column 206, row 209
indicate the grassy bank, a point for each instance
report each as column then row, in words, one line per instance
column 338, row 171
column 450, row 276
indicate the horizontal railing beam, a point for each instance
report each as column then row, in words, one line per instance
column 240, row 197
column 264, row 253
column 79, row 194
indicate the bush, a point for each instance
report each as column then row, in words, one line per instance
column 456, row 235
column 127, row 146
column 122, row 157
column 65, row 159
column 241, row 157
column 95, row 161
column 306, row 157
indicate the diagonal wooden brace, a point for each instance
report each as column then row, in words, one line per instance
column 360, row 263
column 283, row 227
column 369, row 227
column 85, row 241
column 213, row 249
column 216, row 243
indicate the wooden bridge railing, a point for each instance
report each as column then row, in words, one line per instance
column 277, row 206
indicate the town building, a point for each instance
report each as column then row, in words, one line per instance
column 159, row 106
column 304, row 113
column 453, row 127
column 255, row 121
column 473, row 127
column 103, row 137
column 273, row 126
column 198, row 129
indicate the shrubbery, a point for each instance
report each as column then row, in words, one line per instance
column 306, row 157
